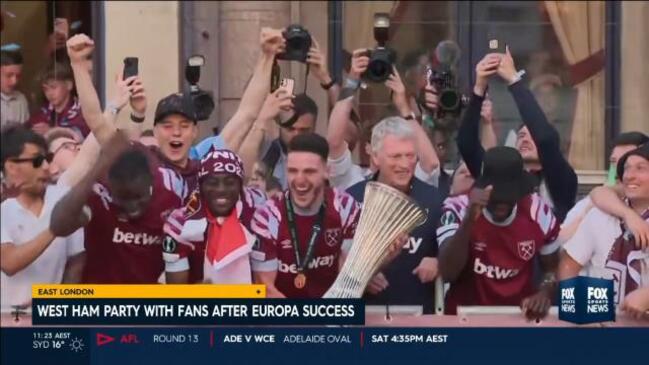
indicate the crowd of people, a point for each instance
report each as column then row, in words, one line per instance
column 87, row 202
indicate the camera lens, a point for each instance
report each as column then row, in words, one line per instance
column 379, row 70
column 449, row 100
column 204, row 105
column 380, row 65
column 295, row 42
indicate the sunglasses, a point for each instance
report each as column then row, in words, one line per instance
column 37, row 161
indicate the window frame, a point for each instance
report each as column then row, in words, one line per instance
column 465, row 34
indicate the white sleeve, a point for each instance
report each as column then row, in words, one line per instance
column 75, row 243
column 343, row 172
column 430, row 179
column 4, row 231
column 581, row 247
column 177, row 266
column 578, row 211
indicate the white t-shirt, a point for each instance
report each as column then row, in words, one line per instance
column 18, row 226
column 344, row 173
column 578, row 211
column 591, row 244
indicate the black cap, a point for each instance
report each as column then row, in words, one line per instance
column 642, row 151
column 502, row 168
column 175, row 104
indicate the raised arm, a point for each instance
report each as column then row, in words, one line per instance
column 562, row 180
column 468, row 135
column 487, row 132
column 609, row 200
column 342, row 108
column 454, row 251
column 318, row 63
column 275, row 102
column 428, row 159
column 131, row 89
column 127, row 89
column 337, row 122
column 236, row 129
column 67, row 215
column 80, row 48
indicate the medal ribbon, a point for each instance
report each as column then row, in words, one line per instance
column 302, row 264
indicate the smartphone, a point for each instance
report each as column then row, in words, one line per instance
column 130, row 67
column 288, row 85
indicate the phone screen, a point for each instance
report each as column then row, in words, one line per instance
column 130, row 67
column 496, row 46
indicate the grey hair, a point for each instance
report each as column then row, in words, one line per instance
column 395, row 126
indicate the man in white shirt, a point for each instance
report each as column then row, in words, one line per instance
column 15, row 109
column 29, row 252
column 603, row 246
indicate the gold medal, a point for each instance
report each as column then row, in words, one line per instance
column 300, row 281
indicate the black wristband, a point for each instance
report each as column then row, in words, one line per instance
column 136, row 119
column 329, row 85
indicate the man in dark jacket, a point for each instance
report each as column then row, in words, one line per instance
column 409, row 279
column 537, row 140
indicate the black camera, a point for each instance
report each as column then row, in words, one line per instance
column 450, row 99
column 298, row 44
column 382, row 58
column 203, row 100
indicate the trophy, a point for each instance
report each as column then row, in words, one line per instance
column 387, row 213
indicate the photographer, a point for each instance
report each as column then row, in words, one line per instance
column 344, row 173
column 538, row 141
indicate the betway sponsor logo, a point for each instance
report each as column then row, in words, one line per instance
column 492, row 271
column 318, row 262
column 135, row 238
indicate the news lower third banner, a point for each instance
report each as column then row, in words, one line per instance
column 187, row 305
column 323, row 345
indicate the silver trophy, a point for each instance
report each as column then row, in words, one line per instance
column 387, row 213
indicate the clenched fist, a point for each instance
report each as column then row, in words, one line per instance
column 80, row 47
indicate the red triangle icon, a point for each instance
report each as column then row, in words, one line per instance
column 103, row 339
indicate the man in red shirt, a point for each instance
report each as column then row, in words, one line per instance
column 490, row 238
column 214, row 225
column 62, row 108
column 128, row 195
column 304, row 234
